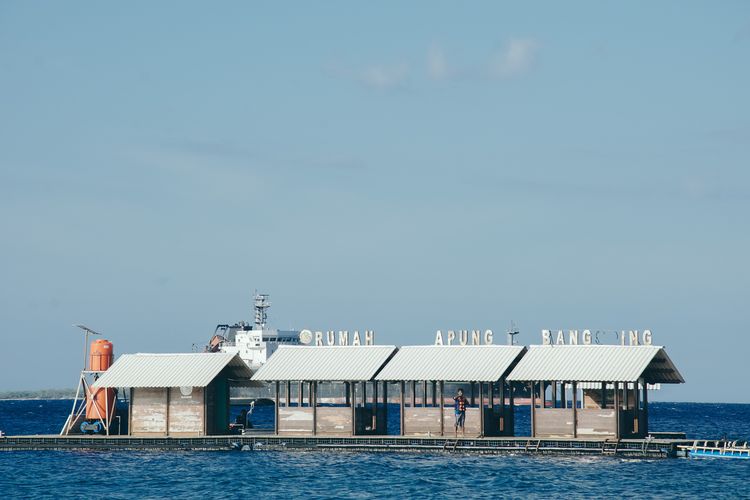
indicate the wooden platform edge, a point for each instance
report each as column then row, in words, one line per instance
column 644, row 448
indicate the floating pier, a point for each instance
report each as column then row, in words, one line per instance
column 634, row 448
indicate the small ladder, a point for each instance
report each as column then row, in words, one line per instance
column 609, row 447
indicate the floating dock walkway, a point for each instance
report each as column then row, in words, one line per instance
column 635, row 448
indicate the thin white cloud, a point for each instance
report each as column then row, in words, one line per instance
column 515, row 58
column 384, row 77
column 437, row 65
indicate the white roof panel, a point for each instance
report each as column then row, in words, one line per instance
column 476, row 363
column 596, row 363
column 324, row 363
column 171, row 370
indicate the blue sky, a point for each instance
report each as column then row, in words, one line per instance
column 401, row 167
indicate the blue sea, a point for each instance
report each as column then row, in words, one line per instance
column 272, row 474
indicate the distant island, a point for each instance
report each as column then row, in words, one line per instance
column 39, row 394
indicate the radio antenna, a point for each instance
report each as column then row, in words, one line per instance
column 512, row 332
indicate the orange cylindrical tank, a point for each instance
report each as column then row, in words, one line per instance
column 102, row 353
column 100, row 402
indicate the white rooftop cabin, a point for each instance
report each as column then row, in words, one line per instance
column 338, row 369
column 181, row 394
column 618, row 408
column 476, row 366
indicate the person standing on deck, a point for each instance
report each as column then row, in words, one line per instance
column 460, row 410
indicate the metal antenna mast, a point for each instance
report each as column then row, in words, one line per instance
column 260, row 306
column 512, row 332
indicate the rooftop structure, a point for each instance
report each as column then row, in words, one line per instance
column 617, row 408
column 325, row 363
column 184, row 395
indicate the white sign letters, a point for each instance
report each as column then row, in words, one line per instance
column 330, row 337
column 584, row 337
column 463, row 337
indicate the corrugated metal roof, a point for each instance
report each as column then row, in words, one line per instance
column 475, row 363
column 171, row 370
column 334, row 363
column 596, row 363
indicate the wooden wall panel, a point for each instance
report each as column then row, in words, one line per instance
column 423, row 421
column 149, row 408
column 594, row 422
column 472, row 425
column 296, row 420
column 186, row 412
column 554, row 422
column 334, row 420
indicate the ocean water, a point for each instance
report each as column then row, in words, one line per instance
column 232, row 474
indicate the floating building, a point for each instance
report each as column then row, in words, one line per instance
column 180, row 395
column 577, row 391
column 483, row 367
column 617, row 408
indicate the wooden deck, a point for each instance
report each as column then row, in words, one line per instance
column 636, row 448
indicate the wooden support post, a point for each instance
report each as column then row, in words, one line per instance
column 424, row 394
column 511, row 410
column 617, row 406
column 637, row 415
column 413, row 393
column 471, row 384
column 353, row 399
column 434, row 397
column 645, row 408
column 276, row 415
column 501, row 395
column 314, row 404
column 542, row 395
column 575, row 409
column 375, row 406
column 442, row 411
column 533, row 408
column 364, row 394
column 604, row 395
column 492, row 396
column 346, row 393
column 402, row 385
column 554, row 394
column 130, row 414
column 166, row 429
column 481, row 409
column 563, row 395
column 300, row 395
column 288, row 401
